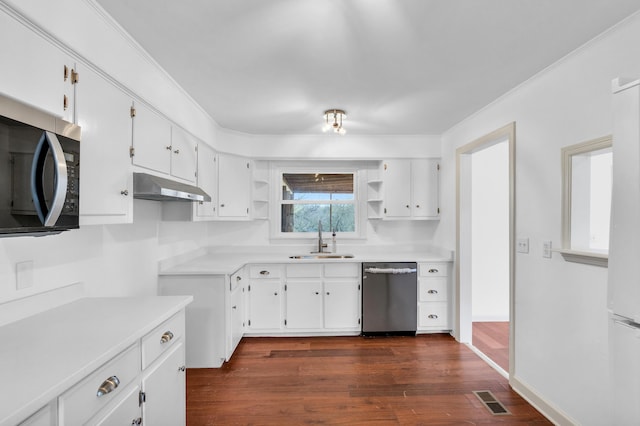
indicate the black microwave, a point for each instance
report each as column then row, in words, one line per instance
column 39, row 171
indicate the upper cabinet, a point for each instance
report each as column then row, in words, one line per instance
column 151, row 144
column 106, row 194
column 208, row 182
column 159, row 146
column 234, row 186
column 411, row 189
column 38, row 73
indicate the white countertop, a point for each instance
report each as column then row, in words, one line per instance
column 43, row 355
column 228, row 261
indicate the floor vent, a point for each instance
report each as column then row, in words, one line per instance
column 493, row 405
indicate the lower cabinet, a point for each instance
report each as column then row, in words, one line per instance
column 215, row 320
column 163, row 387
column 433, row 297
column 311, row 298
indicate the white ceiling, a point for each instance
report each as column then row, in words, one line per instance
column 395, row 66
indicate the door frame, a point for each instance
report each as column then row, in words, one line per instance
column 462, row 318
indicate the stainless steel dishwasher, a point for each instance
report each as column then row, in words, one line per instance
column 389, row 298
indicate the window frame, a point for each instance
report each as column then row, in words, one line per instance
column 585, row 256
column 330, row 168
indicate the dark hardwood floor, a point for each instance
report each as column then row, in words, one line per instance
column 492, row 339
column 423, row 380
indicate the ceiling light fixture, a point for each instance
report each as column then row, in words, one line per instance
column 333, row 120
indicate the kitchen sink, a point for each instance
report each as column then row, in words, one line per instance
column 322, row 256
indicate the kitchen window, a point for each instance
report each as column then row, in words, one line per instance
column 586, row 208
column 308, row 197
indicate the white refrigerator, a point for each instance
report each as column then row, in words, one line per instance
column 624, row 255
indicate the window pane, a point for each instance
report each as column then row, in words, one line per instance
column 317, row 186
column 591, row 200
column 305, row 217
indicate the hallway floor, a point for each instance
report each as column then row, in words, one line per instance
column 492, row 339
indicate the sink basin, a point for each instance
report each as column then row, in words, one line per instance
column 322, row 256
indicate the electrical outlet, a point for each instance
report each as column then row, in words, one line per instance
column 546, row 249
column 522, row 245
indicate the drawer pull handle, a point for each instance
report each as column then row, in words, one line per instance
column 433, row 316
column 433, row 271
column 433, row 292
column 264, row 272
column 167, row 336
column 182, row 368
column 108, row 386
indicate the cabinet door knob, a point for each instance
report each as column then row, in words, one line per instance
column 238, row 278
column 124, row 192
column 177, row 151
column 328, row 293
column 168, row 147
column 433, row 271
column 167, row 336
column 432, row 316
column 317, row 292
column 275, row 294
column 182, row 368
column 136, row 422
column 221, row 205
column 108, row 386
column 433, row 292
column 408, row 206
column 265, row 272
column 417, row 206
column 234, row 307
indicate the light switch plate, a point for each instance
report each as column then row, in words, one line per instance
column 522, row 245
column 546, row 249
column 24, row 274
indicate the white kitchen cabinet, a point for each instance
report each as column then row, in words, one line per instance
column 265, row 305
column 234, row 186
column 184, row 151
column 206, row 317
column 106, row 193
column 342, row 304
column 208, row 182
column 151, row 142
column 37, row 73
column 236, row 313
column 434, row 297
column 164, row 389
column 411, row 189
column 304, row 308
column 90, row 377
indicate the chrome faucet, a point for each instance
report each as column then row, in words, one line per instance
column 320, row 244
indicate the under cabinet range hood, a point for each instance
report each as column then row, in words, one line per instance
column 150, row 187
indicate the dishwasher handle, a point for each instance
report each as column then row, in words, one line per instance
column 394, row 271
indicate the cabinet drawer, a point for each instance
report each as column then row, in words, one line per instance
column 342, row 270
column 125, row 412
column 433, row 289
column 433, row 314
column 304, row 271
column 264, row 271
column 433, row 269
column 161, row 338
column 81, row 402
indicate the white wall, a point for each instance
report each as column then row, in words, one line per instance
column 490, row 233
column 561, row 316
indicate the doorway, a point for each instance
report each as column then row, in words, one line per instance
column 485, row 247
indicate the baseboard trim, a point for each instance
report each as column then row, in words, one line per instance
column 551, row 412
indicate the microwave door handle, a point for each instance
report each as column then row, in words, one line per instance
column 49, row 216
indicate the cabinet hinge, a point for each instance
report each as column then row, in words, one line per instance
column 385, row 210
column 132, row 112
column 358, row 320
column 438, row 210
column 247, row 210
column 75, row 77
column 285, row 322
column 249, row 287
column 142, row 398
column 385, row 166
column 285, row 287
column 247, row 165
column 249, row 323
column 438, row 167
column 358, row 287
column 132, row 152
